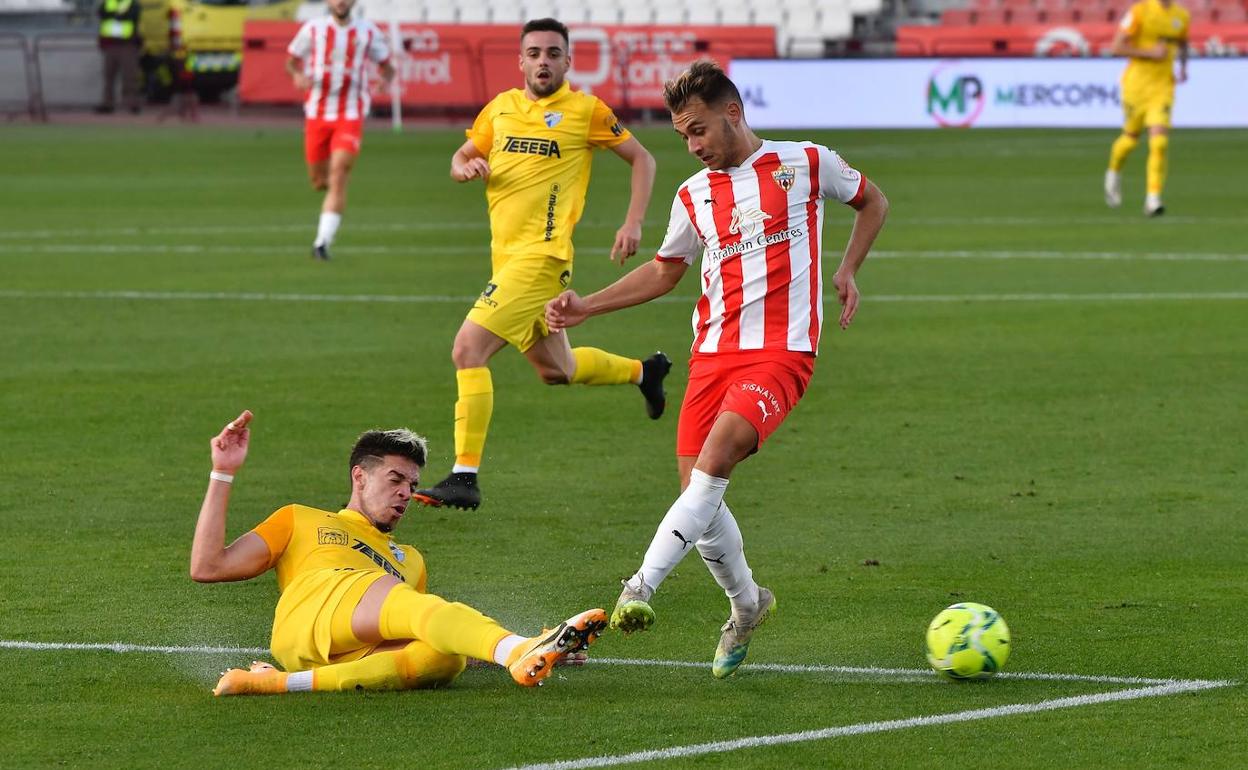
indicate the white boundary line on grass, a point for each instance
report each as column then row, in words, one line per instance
column 865, row 728
column 1154, row 688
column 425, row 299
column 783, row 668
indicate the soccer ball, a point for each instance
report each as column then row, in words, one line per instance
column 968, row 641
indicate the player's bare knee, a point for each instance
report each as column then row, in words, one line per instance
column 465, row 355
column 553, row 375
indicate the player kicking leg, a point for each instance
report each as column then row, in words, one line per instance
column 510, row 311
column 409, row 665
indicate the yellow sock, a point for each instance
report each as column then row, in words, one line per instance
column 598, row 367
column 472, row 414
column 448, row 628
column 1123, row 146
column 1158, row 144
column 415, row 666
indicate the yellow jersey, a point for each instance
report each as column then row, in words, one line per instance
column 302, row 540
column 1146, row 24
column 540, row 154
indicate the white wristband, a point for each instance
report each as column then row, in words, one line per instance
column 219, row 476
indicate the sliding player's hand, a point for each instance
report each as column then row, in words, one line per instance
column 229, row 447
column 568, row 309
column 302, row 82
column 627, row 239
column 847, row 293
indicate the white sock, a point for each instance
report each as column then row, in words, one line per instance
column 457, row 468
column 327, row 228
column 684, row 525
column 722, row 551
column 503, row 649
column 299, row 681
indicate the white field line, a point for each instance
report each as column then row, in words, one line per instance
column 426, row 299
column 427, row 249
column 783, row 668
column 865, row 728
column 1155, row 688
column 482, row 224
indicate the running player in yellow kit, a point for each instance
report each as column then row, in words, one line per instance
column 533, row 148
column 1151, row 34
column 353, row 612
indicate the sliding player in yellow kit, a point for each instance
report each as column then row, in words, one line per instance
column 533, row 148
column 353, row 612
column 1151, row 34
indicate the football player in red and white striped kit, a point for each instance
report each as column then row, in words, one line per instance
column 755, row 213
column 329, row 60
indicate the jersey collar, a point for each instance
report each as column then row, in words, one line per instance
column 353, row 515
column 545, row 101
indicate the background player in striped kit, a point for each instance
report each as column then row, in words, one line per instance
column 329, row 60
column 756, row 211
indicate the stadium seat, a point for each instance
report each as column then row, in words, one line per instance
column 1026, row 16
column 805, row 48
column 702, row 12
column 636, row 13
column 670, row 12
column 769, row 15
column 1230, row 14
column 866, row 6
column 992, row 16
column 1062, row 16
column 603, row 13
column 475, row 13
column 571, row 12
column 538, row 9
column 802, row 21
column 508, row 12
column 439, row 13
column 983, row 5
column 736, row 13
column 836, row 23
column 956, row 17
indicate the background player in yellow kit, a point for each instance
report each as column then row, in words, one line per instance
column 353, row 612
column 533, row 149
column 1151, row 34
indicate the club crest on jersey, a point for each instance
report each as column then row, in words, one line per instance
column 746, row 221
column 784, row 176
column 552, row 118
column 398, row 552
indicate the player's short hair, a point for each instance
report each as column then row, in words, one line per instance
column 704, row 80
column 373, row 445
column 546, row 25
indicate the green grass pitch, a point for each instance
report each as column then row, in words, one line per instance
column 1041, row 407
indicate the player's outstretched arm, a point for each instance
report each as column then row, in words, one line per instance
column 468, row 163
column 628, row 237
column 867, row 225
column 653, row 279
column 211, row 560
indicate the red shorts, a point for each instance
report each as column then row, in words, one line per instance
column 321, row 138
column 761, row 386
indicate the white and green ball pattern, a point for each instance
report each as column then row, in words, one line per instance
column 968, row 641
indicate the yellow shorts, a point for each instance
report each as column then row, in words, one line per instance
column 513, row 305
column 1148, row 108
column 305, row 634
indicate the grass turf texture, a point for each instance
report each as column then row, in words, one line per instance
column 1078, row 465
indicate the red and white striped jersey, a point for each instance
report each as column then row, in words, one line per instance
column 336, row 58
column 759, row 226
